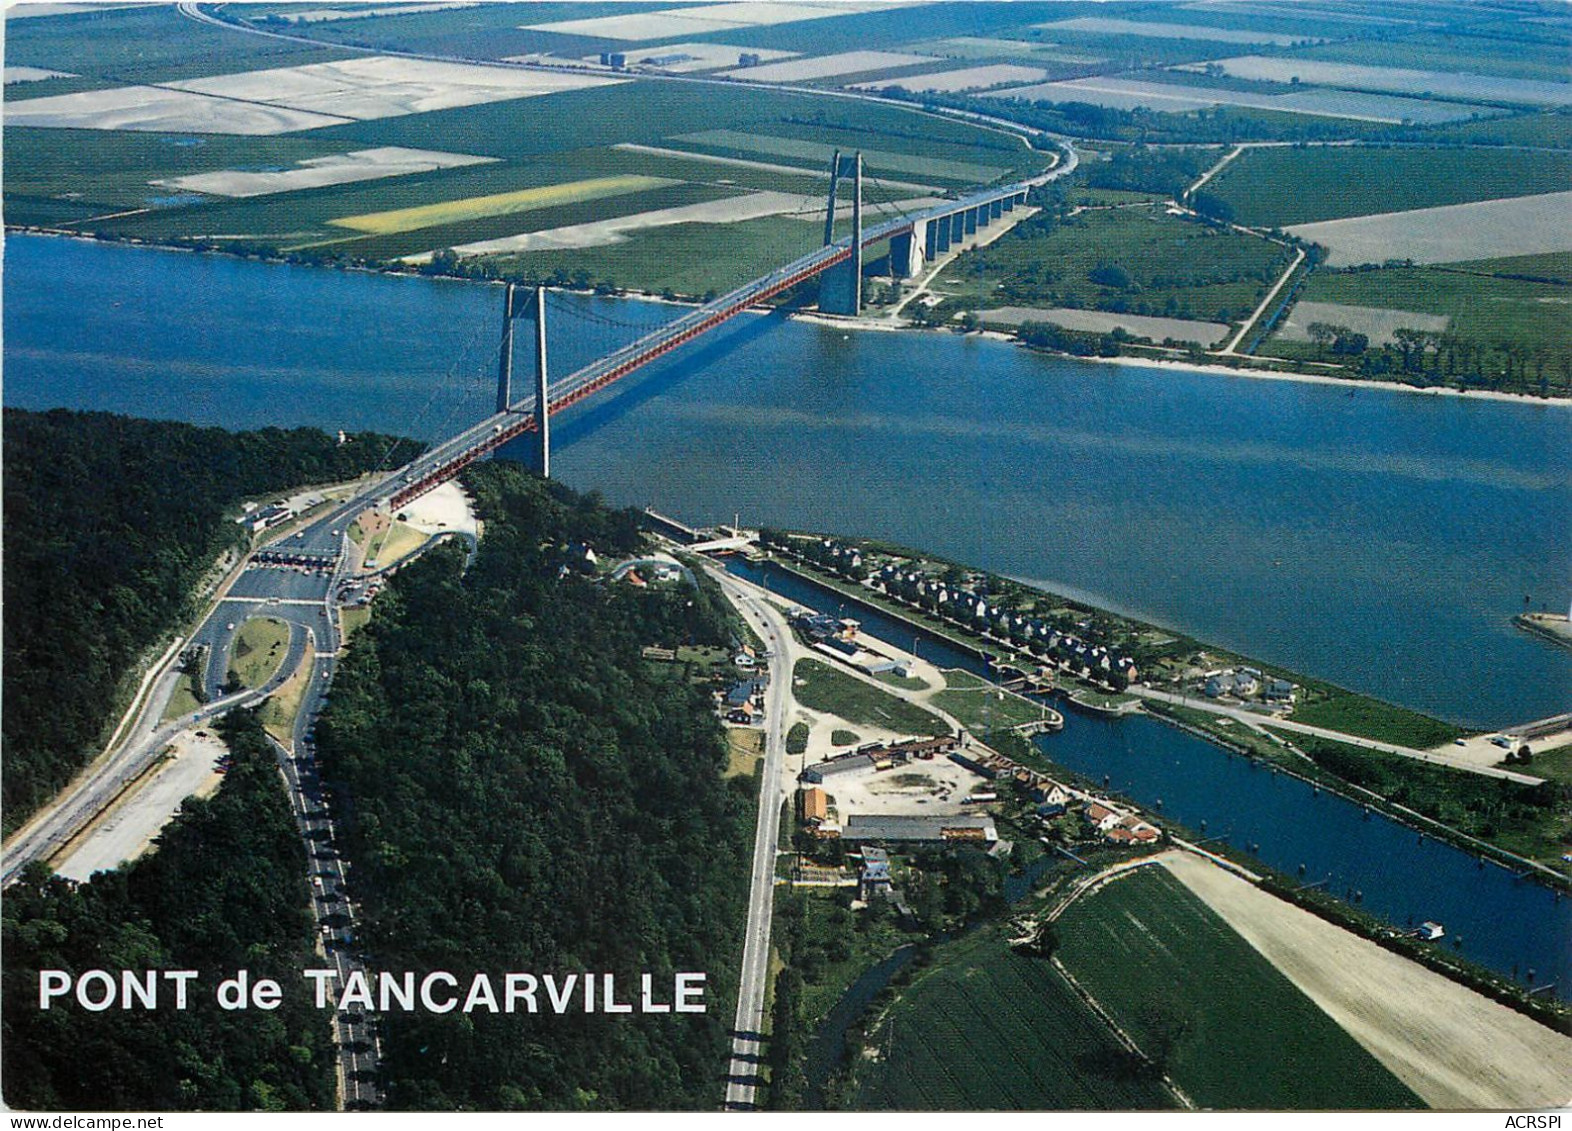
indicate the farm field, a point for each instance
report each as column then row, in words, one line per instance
column 1400, row 80
column 1279, row 186
column 969, row 78
column 664, row 23
column 1484, row 311
column 729, row 142
column 1130, row 94
column 1014, row 50
column 614, row 230
column 1102, row 322
column 1376, row 324
column 146, row 43
column 985, row 1028
column 1197, row 998
column 829, row 66
column 1523, row 225
column 157, row 110
column 1454, row 1048
column 385, row 86
column 1100, row 25
column 1461, row 50
column 1146, row 262
column 497, row 204
column 318, row 172
column 700, row 56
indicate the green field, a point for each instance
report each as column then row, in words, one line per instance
column 983, row 709
column 1278, row 187
column 259, row 649
column 920, row 168
column 1164, row 266
column 1501, row 323
column 819, row 687
column 146, row 43
column 1478, row 51
column 985, row 1028
column 685, row 259
column 1351, row 713
column 1230, row 1029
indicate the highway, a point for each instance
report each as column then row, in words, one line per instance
column 747, row 1031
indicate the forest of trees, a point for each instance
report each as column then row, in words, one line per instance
column 225, row 890
column 521, row 791
column 110, row 523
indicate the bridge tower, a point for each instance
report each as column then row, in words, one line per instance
column 542, row 403
column 513, row 307
column 840, row 288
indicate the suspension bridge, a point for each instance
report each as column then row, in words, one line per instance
column 914, row 240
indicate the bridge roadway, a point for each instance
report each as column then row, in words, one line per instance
column 449, row 458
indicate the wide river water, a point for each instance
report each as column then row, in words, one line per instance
column 1377, row 539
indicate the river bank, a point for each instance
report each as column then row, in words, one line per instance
column 834, row 322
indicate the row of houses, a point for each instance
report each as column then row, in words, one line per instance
column 969, row 607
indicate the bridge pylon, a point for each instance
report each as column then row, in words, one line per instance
column 514, row 306
column 840, row 288
column 542, row 402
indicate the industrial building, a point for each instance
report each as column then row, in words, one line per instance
column 934, row 830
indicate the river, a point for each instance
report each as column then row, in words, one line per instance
column 1377, row 539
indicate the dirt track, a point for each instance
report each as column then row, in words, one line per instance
column 1455, row 1048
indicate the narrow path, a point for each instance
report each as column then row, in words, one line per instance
column 1232, row 348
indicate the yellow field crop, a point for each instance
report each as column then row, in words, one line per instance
column 497, row 204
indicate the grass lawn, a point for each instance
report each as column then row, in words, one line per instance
column 1146, row 262
column 820, row 687
column 744, row 749
column 797, row 738
column 395, row 544
column 259, row 648
column 278, row 713
column 183, row 701
column 982, row 709
column 1553, row 764
column 1230, row 1029
column 1281, row 186
column 1350, row 713
column 352, row 620
column 985, row 1028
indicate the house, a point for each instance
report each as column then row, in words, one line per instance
column 815, row 804
column 875, row 878
column 741, row 694
column 1050, row 792
column 1101, row 817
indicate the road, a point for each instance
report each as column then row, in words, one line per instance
column 747, row 1033
column 1256, row 719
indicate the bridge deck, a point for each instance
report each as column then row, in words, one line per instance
column 447, row 459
